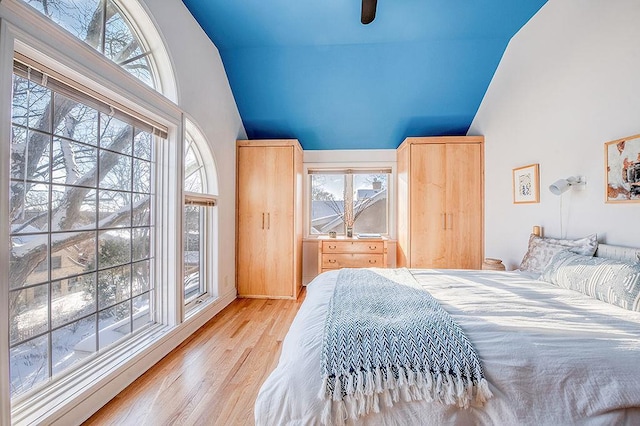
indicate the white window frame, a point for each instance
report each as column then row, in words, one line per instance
column 354, row 160
column 209, row 233
column 92, row 384
column 58, row 88
column 349, row 176
column 55, row 391
column 143, row 29
column 161, row 63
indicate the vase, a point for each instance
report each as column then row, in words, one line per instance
column 493, row 264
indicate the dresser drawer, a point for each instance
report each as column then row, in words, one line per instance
column 351, row 253
column 364, row 247
column 352, row 260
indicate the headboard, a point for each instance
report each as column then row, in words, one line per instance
column 618, row 252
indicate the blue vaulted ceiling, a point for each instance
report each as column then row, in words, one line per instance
column 310, row 70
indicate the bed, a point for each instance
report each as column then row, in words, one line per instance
column 551, row 355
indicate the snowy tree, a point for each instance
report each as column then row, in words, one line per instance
column 76, row 170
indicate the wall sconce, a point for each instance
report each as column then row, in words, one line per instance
column 562, row 185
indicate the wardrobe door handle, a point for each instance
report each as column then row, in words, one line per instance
column 262, row 220
column 450, row 221
column 444, row 221
column 268, row 220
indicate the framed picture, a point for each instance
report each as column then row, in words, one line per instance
column 622, row 170
column 526, row 184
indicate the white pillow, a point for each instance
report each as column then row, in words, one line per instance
column 541, row 250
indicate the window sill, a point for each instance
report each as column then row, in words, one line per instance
column 196, row 307
column 39, row 406
column 75, row 397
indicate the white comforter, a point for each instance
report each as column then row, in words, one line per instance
column 551, row 356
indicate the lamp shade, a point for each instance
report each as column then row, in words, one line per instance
column 560, row 186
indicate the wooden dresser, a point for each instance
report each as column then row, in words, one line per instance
column 336, row 253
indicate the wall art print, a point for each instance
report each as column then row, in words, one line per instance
column 622, row 170
column 526, row 184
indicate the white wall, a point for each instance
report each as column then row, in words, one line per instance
column 205, row 96
column 567, row 83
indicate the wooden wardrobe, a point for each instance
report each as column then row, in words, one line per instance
column 269, row 218
column 441, row 202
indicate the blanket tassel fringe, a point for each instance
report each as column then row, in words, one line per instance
column 360, row 393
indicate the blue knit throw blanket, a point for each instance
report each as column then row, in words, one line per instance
column 386, row 340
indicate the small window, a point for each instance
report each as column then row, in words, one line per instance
column 194, row 284
column 199, row 219
column 342, row 199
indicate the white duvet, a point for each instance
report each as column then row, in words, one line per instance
column 551, row 356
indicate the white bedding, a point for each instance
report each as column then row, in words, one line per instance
column 551, row 356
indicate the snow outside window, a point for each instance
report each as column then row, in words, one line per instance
column 81, row 197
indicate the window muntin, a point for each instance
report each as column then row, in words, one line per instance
column 81, row 232
column 338, row 195
column 194, row 173
column 102, row 25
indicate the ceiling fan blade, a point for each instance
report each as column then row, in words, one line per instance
column 368, row 11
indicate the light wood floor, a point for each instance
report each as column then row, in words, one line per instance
column 214, row 376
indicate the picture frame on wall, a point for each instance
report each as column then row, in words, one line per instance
column 526, row 184
column 622, row 170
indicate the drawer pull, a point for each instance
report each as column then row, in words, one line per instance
column 332, row 261
column 373, row 261
column 373, row 247
column 332, row 247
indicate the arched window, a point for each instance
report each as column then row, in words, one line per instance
column 105, row 26
column 89, row 180
column 200, row 189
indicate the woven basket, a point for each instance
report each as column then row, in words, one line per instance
column 493, row 264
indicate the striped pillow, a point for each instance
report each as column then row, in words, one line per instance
column 612, row 281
